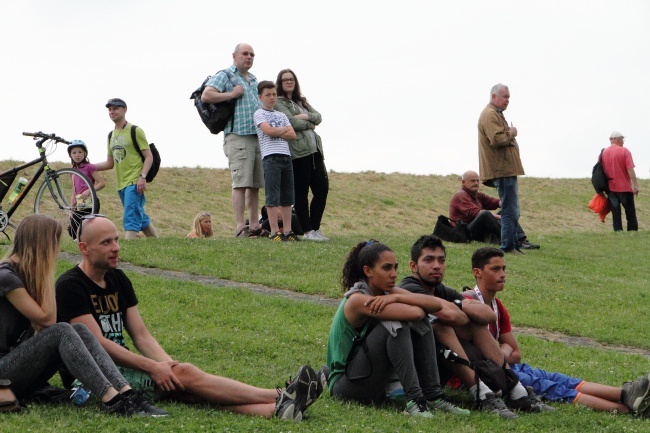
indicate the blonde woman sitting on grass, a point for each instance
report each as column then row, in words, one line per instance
column 202, row 226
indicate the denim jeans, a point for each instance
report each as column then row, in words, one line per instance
column 309, row 172
column 508, row 190
column 616, row 199
column 37, row 359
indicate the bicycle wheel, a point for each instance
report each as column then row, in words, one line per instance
column 56, row 198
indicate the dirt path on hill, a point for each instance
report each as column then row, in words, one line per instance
column 265, row 290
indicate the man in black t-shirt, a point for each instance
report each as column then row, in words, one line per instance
column 102, row 297
column 461, row 324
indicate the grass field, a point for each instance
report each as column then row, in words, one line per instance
column 585, row 281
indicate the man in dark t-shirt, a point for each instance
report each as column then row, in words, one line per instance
column 461, row 325
column 102, row 297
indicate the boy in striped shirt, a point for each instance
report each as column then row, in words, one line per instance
column 273, row 131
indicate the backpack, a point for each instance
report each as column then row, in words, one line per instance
column 498, row 378
column 448, row 233
column 155, row 166
column 215, row 116
column 599, row 178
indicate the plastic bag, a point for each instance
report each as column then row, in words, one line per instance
column 600, row 205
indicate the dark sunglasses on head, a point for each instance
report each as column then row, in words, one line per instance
column 91, row 216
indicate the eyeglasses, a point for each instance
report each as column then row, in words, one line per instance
column 247, row 53
column 91, row 216
column 288, row 80
column 204, row 214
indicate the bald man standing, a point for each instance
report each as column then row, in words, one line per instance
column 240, row 137
column 473, row 207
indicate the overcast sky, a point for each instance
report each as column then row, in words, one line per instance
column 400, row 85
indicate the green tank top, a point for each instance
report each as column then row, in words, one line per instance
column 340, row 340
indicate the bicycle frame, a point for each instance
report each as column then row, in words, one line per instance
column 43, row 168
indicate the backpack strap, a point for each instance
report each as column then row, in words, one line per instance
column 135, row 142
column 234, row 83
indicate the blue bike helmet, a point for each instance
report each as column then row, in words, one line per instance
column 77, row 143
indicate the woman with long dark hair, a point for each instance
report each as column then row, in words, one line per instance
column 309, row 170
column 380, row 329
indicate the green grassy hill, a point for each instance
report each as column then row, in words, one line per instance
column 365, row 204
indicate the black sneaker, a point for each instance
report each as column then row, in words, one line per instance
column 494, row 403
column 316, row 388
column 523, row 404
column 291, row 237
column 536, row 404
column 277, row 237
column 525, row 245
column 144, row 407
column 292, row 402
column 122, row 407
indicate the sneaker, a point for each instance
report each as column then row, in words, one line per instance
column 536, row 404
column 277, row 237
column 122, row 407
column 321, row 236
column 636, row 396
column 523, row 404
column 291, row 237
column 316, row 389
column 312, row 235
column 445, row 406
column 417, row 408
column 144, row 407
column 494, row 403
column 292, row 402
column 525, row 245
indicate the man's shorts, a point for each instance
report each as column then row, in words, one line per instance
column 134, row 218
column 553, row 386
column 141, row 381
column 244, row 161
column 278, row 180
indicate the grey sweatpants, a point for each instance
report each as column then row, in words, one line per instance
column 37, row 359
column 410, row 355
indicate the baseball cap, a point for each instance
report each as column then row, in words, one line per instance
column 116, row 102
column 615, row 134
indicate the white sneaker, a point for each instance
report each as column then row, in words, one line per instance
column 321, row 235
column 311, row 235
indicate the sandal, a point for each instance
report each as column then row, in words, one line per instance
column 243, row 233
column 258, row 233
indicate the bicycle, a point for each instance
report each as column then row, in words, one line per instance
column 56, row 195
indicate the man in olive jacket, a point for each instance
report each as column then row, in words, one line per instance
column 499, row 162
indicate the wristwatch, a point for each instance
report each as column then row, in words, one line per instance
column 458, row 303
column 144, row 176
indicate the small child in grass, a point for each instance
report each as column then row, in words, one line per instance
column 273, row 131
column 201, row 226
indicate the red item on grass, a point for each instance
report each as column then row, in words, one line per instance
column 600, row 205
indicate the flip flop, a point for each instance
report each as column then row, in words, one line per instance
column 243, row 233
column 259, row 232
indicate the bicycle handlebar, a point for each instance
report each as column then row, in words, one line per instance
column 40, row 134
